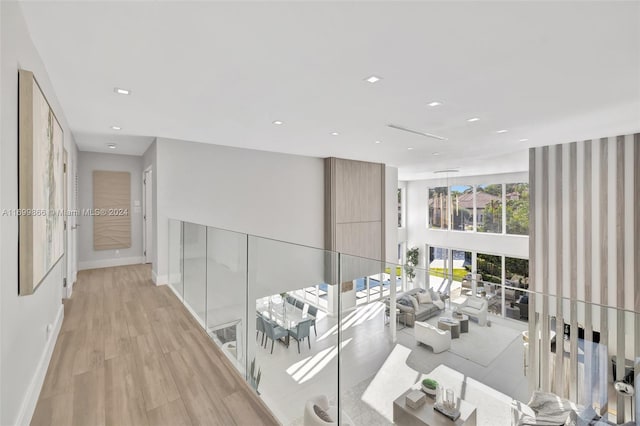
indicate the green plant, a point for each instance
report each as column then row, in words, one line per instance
column 412, row 262
column 430, row 384
column 254, row 378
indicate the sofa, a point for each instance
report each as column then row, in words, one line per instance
column 412, row 310
column 438, row 340
column 475, row 307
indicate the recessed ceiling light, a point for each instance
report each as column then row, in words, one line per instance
column 502, row 131
column 435, row 104
column 436, row 153
column 111, row 145
column 377, row 142
column 334, row 133
column 373, row 79
column 278, row 123
column 524, row 140
column 410, row 148
column 116, row 128
column 120, row 91
column 472, row 119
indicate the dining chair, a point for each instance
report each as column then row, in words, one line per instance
column 274, row 332
column 301, row 332
column 260, row 328
column 313, row 311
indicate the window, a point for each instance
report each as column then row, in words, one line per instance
column 461, row 207
column 489, row 284
column 439, row 208
column 489, row 208
column 400, row 209
column 517, row 195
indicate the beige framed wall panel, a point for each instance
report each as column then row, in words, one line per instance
column 41, row 185
column 112, row 199
column 355, row 208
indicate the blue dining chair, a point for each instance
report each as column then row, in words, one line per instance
column 313, row 311
column 273, row 331
column 260, row 328
column 301, row 332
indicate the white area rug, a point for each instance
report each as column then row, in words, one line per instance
column 481, row 345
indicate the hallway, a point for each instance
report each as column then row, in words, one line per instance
column 129, row 353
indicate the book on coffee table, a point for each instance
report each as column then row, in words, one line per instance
column 453, row 414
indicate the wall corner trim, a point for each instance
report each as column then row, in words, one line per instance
column 30, row 400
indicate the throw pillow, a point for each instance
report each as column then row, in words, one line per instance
column 414, row 300
column 404, row 300
column 424, row 298
column 322, row 414
column 550, row 408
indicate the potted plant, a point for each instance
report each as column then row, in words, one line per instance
column 254, row 377
column 412, row 262
column 429, row 386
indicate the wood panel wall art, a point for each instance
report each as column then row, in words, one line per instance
column 111, row 210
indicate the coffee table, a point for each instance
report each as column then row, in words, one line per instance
column 464, row 323
column 425, row 415
column 453, row 325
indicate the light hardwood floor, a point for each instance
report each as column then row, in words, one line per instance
column 130, row 354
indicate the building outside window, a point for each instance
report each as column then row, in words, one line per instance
column 461, row 207
column 489, row 208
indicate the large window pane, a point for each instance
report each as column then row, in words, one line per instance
column 462, row 207
column 517, row 208
column 489, row 208
column 439, row 208
column 516, row 284
column 490, row 281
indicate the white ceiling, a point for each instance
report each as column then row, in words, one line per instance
column 220, row 73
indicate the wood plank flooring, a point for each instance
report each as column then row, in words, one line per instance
column 129, row 353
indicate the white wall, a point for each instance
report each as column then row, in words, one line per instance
column 418, row 235
column 268, row 194
column 149, row 161
column 391, row 214
column 88, row 163
column 25, row 344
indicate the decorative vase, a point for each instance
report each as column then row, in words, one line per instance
column 428, row 391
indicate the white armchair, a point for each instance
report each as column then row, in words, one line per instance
column 439, row 340
column 475, row 307
column 312, row 419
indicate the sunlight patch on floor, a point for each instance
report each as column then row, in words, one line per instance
column 308, row 368
column 391, row 381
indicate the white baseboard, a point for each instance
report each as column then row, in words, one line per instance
column 33, row 391
column 107, row 263
column 159, row 279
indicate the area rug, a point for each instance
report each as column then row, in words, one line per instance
column 481, row 345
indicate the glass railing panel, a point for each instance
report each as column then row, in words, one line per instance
column 292, row 295
column 176, row 257
column 227, row 292
column 375, row 341
column 195, row 269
